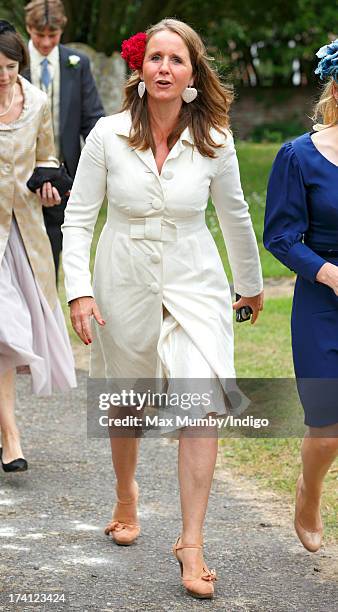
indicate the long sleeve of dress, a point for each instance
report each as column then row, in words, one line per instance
column 87, row 194
column 235, row 222
column 287, row 217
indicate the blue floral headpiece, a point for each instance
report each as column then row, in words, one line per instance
column 328, row 65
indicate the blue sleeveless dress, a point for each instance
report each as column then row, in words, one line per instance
column 301, row 230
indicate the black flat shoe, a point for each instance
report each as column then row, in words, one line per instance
column 17, row 465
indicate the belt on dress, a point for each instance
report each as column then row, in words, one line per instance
column 156, row 228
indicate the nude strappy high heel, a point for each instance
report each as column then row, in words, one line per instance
column 122, row 533
column 200, row 587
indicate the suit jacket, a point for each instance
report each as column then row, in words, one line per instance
column 24, row 144
column 80, row 105
column 156, row 249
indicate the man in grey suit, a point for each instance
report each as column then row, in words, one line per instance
column 65, row 75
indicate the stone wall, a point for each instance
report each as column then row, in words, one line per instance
column 109, row 74
column 257, row 106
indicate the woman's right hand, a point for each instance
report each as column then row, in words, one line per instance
column 328, row 275
column 81, row 311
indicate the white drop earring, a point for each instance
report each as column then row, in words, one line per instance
column 189, row 94
column 141, row 89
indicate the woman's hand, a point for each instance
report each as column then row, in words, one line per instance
column 328, row 275
column 81, row 311
column 255, row 303
column 49, row 195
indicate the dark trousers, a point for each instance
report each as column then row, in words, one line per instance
column 54, row 217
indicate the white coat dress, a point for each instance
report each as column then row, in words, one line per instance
column 155, row 250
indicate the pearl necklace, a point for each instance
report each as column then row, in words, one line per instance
column 10, row 105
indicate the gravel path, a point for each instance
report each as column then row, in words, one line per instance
column 52, row 519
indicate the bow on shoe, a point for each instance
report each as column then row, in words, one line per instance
column 117, row 526
column 209, row 575
column 122, row 533
column 114, row 526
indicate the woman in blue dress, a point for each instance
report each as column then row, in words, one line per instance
column 301, row 230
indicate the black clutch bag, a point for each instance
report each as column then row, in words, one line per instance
column 58, row 177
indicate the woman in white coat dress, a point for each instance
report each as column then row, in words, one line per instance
column 159, row 282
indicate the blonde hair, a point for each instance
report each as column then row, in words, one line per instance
column 326, row 108
column 41, row 14
column 209, row 110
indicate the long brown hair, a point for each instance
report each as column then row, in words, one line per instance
column 209, row 110
column 13, row 47
column 326, row 108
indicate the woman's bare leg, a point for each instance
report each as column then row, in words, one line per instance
column 124, row 456
column 318, row 454
column 10, row 437
column 125, row 442
column 196, row 464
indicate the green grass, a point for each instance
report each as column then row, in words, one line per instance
column 264, row 350
column 255, row 161
column 275, row 464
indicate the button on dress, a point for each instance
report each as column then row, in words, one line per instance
column 155, row 252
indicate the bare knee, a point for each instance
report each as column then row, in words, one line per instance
column 324, row 446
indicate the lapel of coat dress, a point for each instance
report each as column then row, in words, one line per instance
column 148, row 159
column 123, row 129
column 66, row 83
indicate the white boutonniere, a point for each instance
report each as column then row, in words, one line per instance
column 73, row 61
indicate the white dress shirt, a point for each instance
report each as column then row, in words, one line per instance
column 53, row 90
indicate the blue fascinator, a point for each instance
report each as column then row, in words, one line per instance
column 328, row 64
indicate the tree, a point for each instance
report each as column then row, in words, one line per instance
column 256, row 40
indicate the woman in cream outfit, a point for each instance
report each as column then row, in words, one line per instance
column 158, row 281
column 33, row 334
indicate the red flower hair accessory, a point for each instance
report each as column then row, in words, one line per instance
column 133, row 50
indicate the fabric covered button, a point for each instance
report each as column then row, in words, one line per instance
column 167, row 174
column 157, row 203
column 7, row 168
column 155, row 258
column 154, row 287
